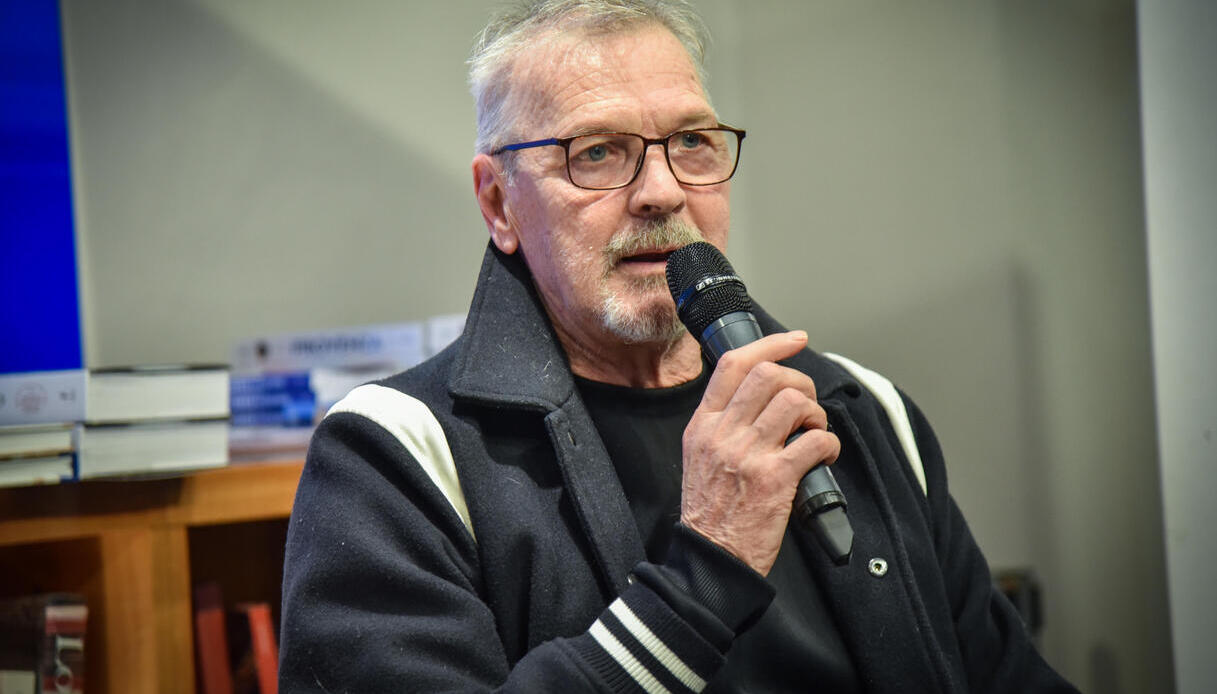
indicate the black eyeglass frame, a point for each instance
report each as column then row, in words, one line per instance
column 647, row 142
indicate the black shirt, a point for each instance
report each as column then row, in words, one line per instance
column 795, row 646
column 641, row 428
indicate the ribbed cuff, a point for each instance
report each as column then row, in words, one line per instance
column 708, row 586
column 641, row 644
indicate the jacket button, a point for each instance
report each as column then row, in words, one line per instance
column 877, row 567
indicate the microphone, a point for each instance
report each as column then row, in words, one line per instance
column 714, row 305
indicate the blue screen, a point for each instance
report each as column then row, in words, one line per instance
column 39, row 305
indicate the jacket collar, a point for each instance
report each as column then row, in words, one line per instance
column 510, row 356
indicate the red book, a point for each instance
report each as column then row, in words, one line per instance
column 211, row 641
column 265, row 650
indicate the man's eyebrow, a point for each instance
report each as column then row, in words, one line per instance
column 591, row 130
column 704, row 119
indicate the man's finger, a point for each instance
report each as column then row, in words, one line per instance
column 766, row 382
column 789, row 411
column 734, row 366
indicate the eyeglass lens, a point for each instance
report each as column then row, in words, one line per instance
column 697, row 157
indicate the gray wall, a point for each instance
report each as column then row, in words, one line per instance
column 947, row 192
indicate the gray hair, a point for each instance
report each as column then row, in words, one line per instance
column 514, row 31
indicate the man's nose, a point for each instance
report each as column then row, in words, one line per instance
column 656, row 192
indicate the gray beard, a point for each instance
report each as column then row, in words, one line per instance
column 632, row 324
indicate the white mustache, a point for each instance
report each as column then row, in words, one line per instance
column 658, row 234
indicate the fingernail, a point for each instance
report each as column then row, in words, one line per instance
column 798, row 336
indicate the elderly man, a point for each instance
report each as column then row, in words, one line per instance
column 568, row 498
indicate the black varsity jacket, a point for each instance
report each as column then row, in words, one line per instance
column 460, row 527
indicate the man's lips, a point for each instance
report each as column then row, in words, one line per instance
column 648, row 257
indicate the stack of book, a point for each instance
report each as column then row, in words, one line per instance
column 36, row 454
column 103, row 422
column 283, row 384
column 42, row 641
column 85, row 423
column 273, row 413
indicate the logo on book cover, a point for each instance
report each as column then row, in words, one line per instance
column 30, row 398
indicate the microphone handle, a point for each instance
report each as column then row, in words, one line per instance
column 819, row 504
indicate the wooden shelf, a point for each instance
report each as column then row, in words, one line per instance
column 128, row 545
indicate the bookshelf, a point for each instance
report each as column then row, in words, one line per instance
column 135, row 548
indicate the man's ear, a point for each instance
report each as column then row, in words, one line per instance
column 490, row 187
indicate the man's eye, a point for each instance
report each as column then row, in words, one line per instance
column 596, row 153
column 691, row 140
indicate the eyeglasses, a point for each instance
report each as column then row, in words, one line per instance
column 604, row 161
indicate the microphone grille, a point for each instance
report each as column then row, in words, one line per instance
column 704, row 286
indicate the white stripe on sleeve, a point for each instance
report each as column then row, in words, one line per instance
column 626, row 660
column 413, row 424
column 657, row 647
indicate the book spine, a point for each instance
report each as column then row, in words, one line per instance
column 22, row 472
column 41, row 397
column 266, row 402
column 63, row 660
column 270, row 383
column 273, row 400
column 265, row 650
column 398, row 345
column 288, row 418
column 211, row 641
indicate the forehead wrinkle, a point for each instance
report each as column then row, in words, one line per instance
column 599, row 73
column 533, row 72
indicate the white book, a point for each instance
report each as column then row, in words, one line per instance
column 35, row 440
column 156, row 392
column 150, row 447
column 395, row 346
column 51, row 469
column 114, row 395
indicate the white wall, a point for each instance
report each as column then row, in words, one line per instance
column 1178, row 42
column 949, row 192
column 250, row 168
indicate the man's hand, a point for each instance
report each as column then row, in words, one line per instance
column 739, row 476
